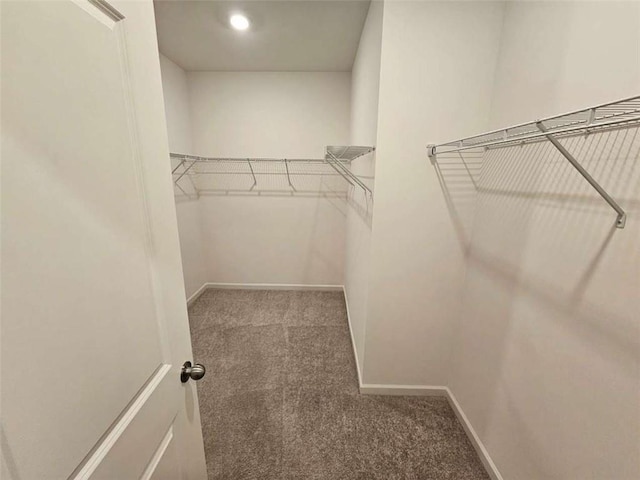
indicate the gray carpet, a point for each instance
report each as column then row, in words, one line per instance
column 280, row 399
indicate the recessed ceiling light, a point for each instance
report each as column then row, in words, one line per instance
column 239, row 21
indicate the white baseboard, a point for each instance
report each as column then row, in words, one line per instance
column 440, row 391
column 197, row 293
column 262, row 286
column 353, row 340
column 373, row 389
column 273, row 286
column 412, row 390
column 486, row 460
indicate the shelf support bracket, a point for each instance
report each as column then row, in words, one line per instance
column 255, row 182
column 186, row 170
column 286, row 166
column 345, row 173
column 622, row 216
column 330, row 163
column 178, row 166
column 431, row 151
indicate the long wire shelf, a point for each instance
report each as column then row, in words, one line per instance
column 620, row 114
column 194, row 175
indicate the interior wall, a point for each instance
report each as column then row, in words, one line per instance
column 176, row 104
column 365, row 86
column 276, row 238
column 437, row 69
column 546, row 362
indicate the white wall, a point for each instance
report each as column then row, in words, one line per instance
column 293, row 239
column 365, row 85
column 176, row 104
column 437, row 68
column 546, row 360
column 561, row 56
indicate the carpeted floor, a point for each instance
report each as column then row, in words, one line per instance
column 280, row 399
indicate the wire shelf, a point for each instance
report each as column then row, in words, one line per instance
column 349, row 152
column 616, row 115
column 619, row 114
column 196, row 175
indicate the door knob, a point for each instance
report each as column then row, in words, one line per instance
column 195, row 372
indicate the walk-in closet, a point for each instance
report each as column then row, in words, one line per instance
column 485, row 284
column 320, row 239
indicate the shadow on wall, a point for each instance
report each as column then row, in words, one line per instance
column 458, row 174
column 8, row 458
column 503, row 188
column 549, row 276
column 361, row 202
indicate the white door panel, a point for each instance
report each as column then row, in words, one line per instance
column 163, row 465
column 90, row 351
column 133, row 443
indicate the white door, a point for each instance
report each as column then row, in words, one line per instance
column 94, row 324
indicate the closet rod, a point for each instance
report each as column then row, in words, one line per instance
column 274, row 174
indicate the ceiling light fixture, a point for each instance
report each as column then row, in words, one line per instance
column 239, row 21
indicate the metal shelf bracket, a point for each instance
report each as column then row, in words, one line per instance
column 286, row 166
column 622, row 216
column 335, row 155
column 255, row 181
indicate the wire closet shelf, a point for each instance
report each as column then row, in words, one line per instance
column 609, row 116
column 267, row 175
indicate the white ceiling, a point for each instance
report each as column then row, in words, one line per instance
column 294, row 35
